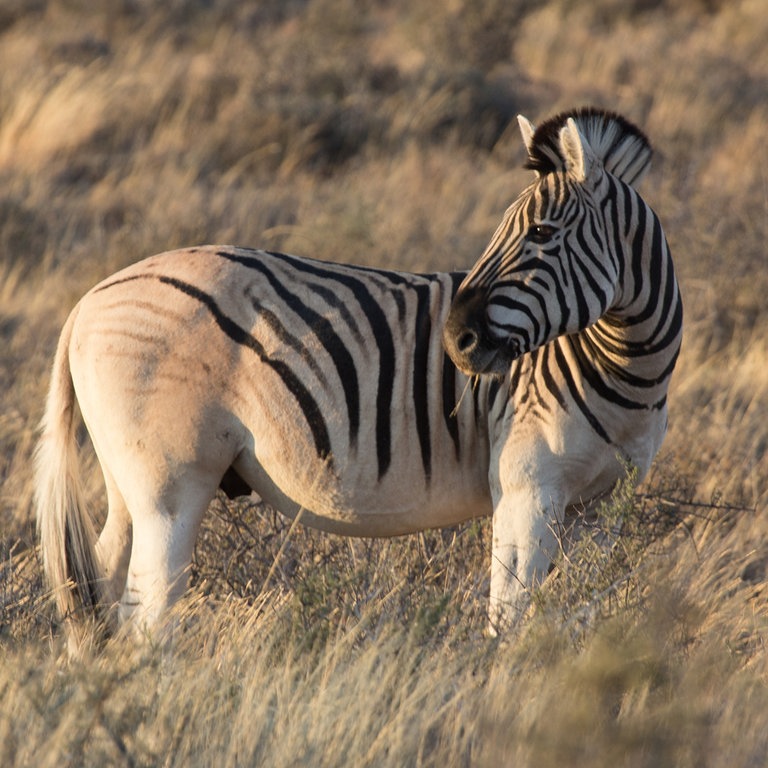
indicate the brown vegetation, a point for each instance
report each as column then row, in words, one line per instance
column 383, row 132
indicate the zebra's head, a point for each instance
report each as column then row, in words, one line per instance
column 554, row 263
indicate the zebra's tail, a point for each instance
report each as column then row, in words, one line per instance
column 65, row 529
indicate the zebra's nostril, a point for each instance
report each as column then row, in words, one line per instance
column 467, row 341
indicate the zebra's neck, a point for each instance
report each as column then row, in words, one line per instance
column 635, row 345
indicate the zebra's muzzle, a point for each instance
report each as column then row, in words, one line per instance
column 466, row 338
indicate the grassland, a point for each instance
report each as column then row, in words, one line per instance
column 382, row 132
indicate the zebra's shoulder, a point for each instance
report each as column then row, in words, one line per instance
column 620, row 145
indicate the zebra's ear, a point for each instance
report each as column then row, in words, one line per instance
column 527, row 129
column 580, row 160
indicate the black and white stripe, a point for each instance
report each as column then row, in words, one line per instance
column 366, row 340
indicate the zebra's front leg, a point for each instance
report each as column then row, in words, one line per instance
column 525, row 539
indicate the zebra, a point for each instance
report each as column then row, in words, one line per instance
column 368, row 402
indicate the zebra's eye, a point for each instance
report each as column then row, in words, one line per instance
column 541, row 233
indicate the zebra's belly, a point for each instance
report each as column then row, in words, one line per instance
column 336, row 502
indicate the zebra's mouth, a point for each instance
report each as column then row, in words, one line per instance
column 512, row 349
column 501, row 357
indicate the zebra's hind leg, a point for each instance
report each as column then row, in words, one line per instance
column 165, row 528
column 113, row 550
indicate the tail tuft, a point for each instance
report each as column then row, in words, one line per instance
column 66, row 531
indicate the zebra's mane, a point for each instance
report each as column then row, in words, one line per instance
column 621, row 146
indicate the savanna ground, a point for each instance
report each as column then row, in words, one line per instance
column 383, row 132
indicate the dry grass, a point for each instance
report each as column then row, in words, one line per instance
column 383, row 133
